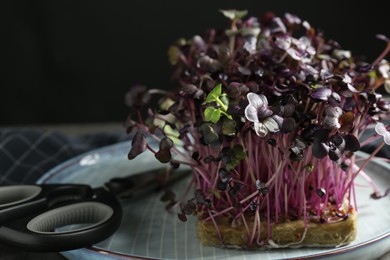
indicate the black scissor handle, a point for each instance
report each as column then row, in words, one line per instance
column 102, row 215
column 20, row 200
column 87, row 214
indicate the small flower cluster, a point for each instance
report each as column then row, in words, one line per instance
column 268, row 114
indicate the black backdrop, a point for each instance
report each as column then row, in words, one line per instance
column 73, row 60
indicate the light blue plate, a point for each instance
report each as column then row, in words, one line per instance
column 148, row 231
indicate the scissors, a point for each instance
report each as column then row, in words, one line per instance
column 61, row 217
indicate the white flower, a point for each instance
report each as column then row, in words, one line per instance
column 258, row 112
column 380, row 129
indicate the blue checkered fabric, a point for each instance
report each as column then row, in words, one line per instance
column 27, row 153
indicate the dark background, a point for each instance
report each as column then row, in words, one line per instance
column 70, row 61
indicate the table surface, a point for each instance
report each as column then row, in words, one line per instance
column 73, row 129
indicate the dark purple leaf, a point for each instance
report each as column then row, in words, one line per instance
column 337, row 140
column 137, row 96
column 283, row 111
column 209, row 135
column 199, row 197
column 309, row 69
column 306, row 25
column 283, row 42
column 382, row 37
column 253, row 205
column 253, row 86
column 190, row 90
column 295, row 54
column 296, row 157
column 383, row 104
column 335, row 155
column 341, row 54
column 195, row 156
column 164, row 152
column 351, row 143
column 222, row 185
column 288, row 125
column 244, row 71
column 224, row 175
column 335, row 98
column 288, row 110
column 187, row 208
column 330, row 122
column 138, row 145
column 364, row 67
column 292, row 19
column 282, row 88
column 325, row 74
column 272, row 142
column 259, row 72
column 333, row 111
column 208, row 64
column 321, row 135
column 321, row 94
column 320, row 150
column 199, row 43
column 277, row 26
column 130, row 125
column 321, row 192
column 236, row 90
column 174, row 165
column 182, row 217
column 352, row 88
column 377, row 195
column 166, row 143
column 309, row 132
column 344, row 166
column 300, row 144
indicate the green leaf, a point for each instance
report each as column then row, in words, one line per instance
column 214, row 94
column 210, row 98
column 229, row 127
column 233, row 14
column 225, row 99
column 209, row 134
column 239, row 152
column 212, row 114
column 232, row 164
column 217, row 91
column 372, row 74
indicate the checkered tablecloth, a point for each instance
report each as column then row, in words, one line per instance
column 27, row 153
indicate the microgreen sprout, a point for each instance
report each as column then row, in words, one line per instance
column 213, row 114
column 268, row 114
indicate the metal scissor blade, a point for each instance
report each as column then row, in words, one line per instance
column 141, row 183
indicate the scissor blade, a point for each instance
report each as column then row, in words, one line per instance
column 141, row 183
